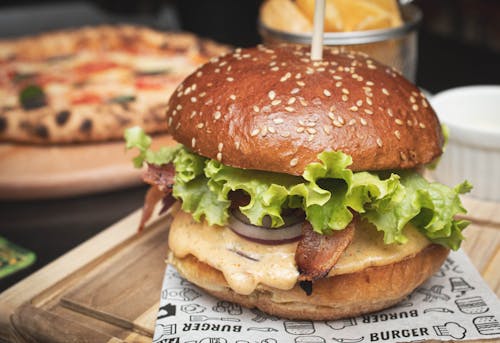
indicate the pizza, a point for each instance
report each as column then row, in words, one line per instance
column 88, row 84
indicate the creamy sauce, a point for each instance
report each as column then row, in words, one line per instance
column 368, row 249
column 246, row 264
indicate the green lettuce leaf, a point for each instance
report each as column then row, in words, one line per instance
column 135, row 137
column 201, row 202
column 268, row 191
column 328, row 192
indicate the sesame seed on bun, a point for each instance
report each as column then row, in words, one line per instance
column 276, row 110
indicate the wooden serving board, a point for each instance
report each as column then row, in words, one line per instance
column 37, row 171
column 108, row 288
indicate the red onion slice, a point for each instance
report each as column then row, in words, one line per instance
column 265, row 235
column 296, row 216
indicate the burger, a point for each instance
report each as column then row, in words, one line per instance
column 300, row 183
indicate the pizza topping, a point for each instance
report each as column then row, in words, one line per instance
column 149, row 82
column 38, row 130
column 41, row 131
column 62, row 117
column 59, row 58
column 32, row 97
column 18, row 77
column 86, row 98
column 86, row 126
column 95, row 67
column 152, row 72
column 121, row 99
column 45, row 79
column 316, row 254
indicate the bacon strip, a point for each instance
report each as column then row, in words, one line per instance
column 317, row 254
column 162, row 180
column 153, row 196
column 160, row 176
column 166, row 202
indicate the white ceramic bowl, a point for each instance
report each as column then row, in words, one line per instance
column 472, row 115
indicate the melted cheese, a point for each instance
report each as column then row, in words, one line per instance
column 247, row 264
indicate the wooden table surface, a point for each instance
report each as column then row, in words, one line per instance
column 108, row 288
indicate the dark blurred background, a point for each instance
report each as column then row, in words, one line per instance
column 459, row 44
column 459, row 39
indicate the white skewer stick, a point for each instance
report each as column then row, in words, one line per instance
column 319, row 23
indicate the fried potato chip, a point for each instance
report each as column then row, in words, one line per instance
column 333, row 20
column 358, row 15
column 340, row 15
column 307, row 7
column 284, row 15
column 391, row 7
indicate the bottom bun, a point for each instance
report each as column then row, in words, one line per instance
column 340, row 296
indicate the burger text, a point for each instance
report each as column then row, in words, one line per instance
column 394, row 334
column 211, row 327
column 383, row 317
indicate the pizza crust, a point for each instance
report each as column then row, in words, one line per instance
column 59, row 53
column 87, row 123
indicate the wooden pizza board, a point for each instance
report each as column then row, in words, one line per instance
column 37, row 171
column 108, row 288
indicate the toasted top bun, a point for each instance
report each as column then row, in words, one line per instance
column 276, row 110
